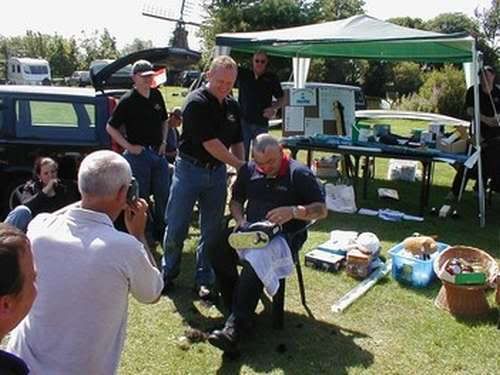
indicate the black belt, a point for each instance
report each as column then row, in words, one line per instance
column 198, row 163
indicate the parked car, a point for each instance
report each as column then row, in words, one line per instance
column 189, row 76
column 79, row 78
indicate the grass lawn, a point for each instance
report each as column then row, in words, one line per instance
column 393, row 329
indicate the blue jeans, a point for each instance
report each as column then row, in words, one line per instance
column 191, row 184
column 152, row 175
column 19, row 217
column 250, row 131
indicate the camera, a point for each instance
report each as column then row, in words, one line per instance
column 133, row 191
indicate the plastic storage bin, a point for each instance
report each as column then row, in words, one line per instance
column 413, row 271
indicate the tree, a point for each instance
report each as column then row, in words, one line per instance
column 332, row 10
column 489, row 21
column 96, row 46
column 449, row 23
column 107, row 45
column 442, row 92
column 248, row 15
column 412, row 23
column 136, row 45
column 377, row 75
column 407, row 77
column 65, row 57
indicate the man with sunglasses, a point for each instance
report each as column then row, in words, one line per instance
column 141, row 112
column 257, row 87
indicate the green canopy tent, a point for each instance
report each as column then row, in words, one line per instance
column 363, row 37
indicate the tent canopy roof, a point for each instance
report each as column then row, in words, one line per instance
column 360, row 36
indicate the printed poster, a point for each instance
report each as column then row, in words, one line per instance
column 294, row 119
column 312, row 126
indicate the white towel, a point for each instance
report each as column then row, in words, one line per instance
column 271, row 263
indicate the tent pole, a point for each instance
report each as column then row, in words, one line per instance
column 477, row 125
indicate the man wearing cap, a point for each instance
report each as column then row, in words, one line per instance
column 141, row 113
column 257, row 87
column 211, row 138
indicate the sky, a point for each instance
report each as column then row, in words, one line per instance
column 124, row 19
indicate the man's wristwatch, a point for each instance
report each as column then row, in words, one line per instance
column 295, row 211
column 164, row 142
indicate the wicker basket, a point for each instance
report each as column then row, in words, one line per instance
column 465, row 300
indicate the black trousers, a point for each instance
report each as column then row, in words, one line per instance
column 490, row 167
column 241, row 292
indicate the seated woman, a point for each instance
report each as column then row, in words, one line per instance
column 44, row 193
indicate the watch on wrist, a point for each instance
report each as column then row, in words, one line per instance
column 295, row 211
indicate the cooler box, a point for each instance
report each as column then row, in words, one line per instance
column 413, row 271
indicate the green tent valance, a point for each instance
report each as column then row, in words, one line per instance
column 360, row 37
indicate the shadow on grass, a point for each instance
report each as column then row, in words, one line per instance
column 305, row 345
column 489, row 319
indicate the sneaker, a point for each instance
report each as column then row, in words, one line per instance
column 225, row 339
column 204, row 293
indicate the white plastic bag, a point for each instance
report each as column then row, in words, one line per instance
column 340, row 198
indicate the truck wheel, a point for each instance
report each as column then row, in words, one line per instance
column 15, row 196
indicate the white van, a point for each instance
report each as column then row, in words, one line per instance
column 28, row 71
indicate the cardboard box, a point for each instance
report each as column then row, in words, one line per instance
column 324, row 260
column 458, row 146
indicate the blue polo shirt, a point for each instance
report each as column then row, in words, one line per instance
column 297, row 185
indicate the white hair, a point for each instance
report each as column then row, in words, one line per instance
column 263, row 141
column 103, row 173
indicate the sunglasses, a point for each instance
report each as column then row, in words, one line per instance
column 260, row 61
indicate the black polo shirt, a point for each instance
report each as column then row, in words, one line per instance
column 12, row 365
column 203, row 119
column 255, row 95
column 143, row 117
column 296, row 186
column 485, row 108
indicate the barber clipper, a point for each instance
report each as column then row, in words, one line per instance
column 255, row 236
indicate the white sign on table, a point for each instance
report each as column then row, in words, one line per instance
column 303, row 97
column 294, row 119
